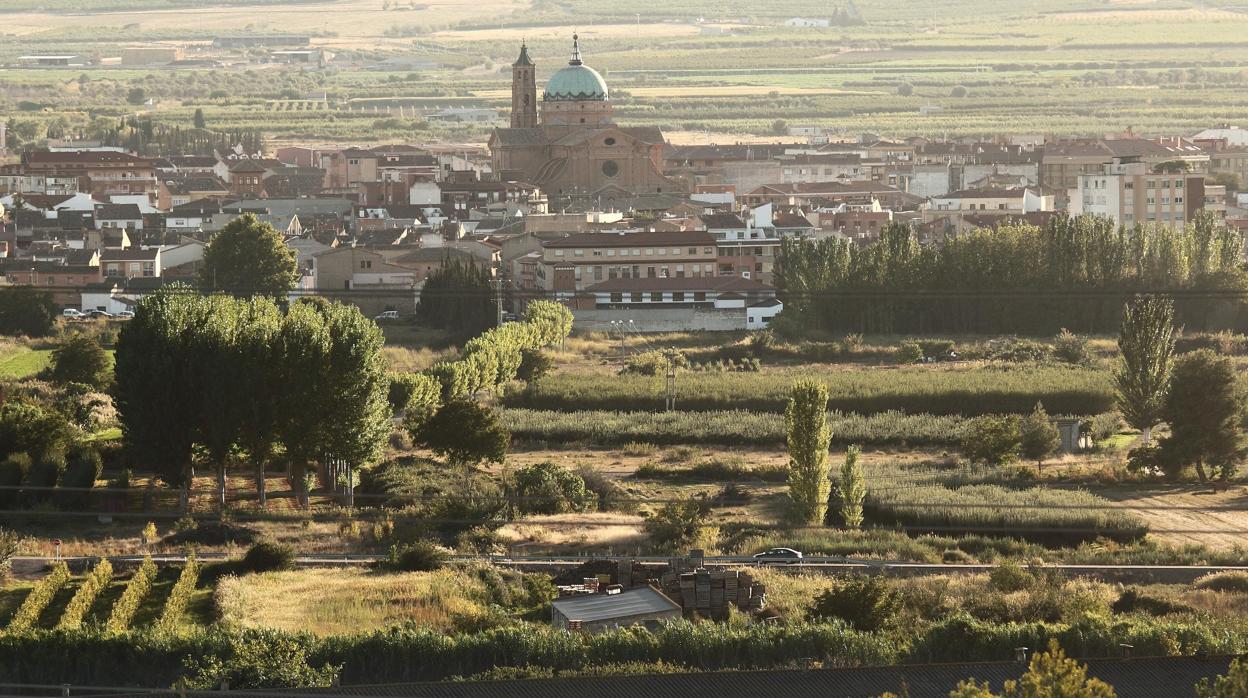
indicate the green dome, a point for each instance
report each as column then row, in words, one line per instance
column 576, row 82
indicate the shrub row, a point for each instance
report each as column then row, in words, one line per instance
column 966, row 391
column 403, row 654
column 1038, row 514
column 179, row 597
column 136, row 591
column 729, row 427
column 493, row 358
column 98, row 580
column 40, row 596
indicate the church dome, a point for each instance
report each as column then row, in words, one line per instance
column 577, row 82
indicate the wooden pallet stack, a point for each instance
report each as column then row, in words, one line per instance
column 708, row 593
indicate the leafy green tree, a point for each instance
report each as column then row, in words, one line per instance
column 157, row 381
column 1146, row 349
column 866, row 603
column 260, row 377
column 198, row 120
column 26, row 311
column 136, row 96
column 81, row 359
column 458, row 297
column 1052, row 674
column 29, row 428
column 221, row 394
column 1038, row 436
column 304, row 345
column 353, row 432
column 464, row 433
column 546, row 488
column 808, row 437
column 260, row 659
column 1233, row 685
column 534, row 364
column 853, row 489
column 683, row 525
column 991, row 439
column 248, row 257
column 1205, row 410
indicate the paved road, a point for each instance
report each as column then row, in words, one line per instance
column 1175, row 574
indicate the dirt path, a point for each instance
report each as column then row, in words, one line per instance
column 1183, row 514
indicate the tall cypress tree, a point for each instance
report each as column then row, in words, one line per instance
column 806, row 423
column 1146, row 349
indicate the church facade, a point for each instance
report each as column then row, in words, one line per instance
column 569, row 145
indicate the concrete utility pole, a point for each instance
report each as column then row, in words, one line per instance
column 497, row 285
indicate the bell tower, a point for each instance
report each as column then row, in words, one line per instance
column 523, row 91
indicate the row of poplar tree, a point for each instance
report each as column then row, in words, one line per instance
column 1074, row 272
column 240, row 377
column 242, row 380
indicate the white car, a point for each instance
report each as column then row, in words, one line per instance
column 388, row 315
column 72, row 314
column 126, row 314
column 779, row 556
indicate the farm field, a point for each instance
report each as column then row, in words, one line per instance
column 1162, row 66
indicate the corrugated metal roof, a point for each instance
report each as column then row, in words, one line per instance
column 598, row 607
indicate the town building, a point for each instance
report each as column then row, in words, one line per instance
column 571, row 147
column 1130, row 192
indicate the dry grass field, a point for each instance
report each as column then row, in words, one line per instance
column 345, row 601
column 1190, row 514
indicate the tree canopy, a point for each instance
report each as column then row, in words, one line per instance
column 1017, row 278
column 225, row 373
column 249, row 257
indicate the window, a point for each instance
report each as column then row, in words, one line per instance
column 597, row 253
column 678, row 296
column 610, row 168
column 610, row 253
column 649, row 252
column 636, row 297
column 149, row 269
column 708, row 250
column 558, row 253
column 662, row 251
column 693, row 250
column 366, row 264
column 650, row 273
column 608, row 141
column 656, row 297
column 636, row 251
column 675, row 251
column 578, row 253
column 597, row 273
column 617, row 297
column 699, row 296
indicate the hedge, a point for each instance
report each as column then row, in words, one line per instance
column 38, row 599
column 403, row 654
column 136, row 591
column 914, row 390
column 493, row 358
column 78, row 607
column 179, row 597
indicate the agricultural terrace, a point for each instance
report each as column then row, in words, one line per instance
column 976, row 68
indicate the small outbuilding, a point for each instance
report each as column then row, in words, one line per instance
column 598, row 612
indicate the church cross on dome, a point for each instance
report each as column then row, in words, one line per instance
column 576, row 51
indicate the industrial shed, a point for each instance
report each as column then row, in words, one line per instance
column 597, row 612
